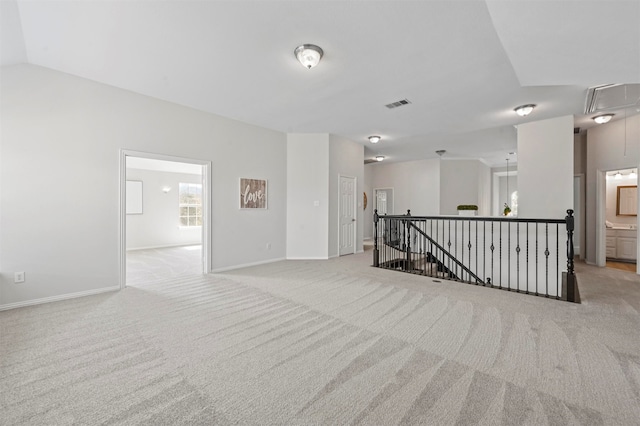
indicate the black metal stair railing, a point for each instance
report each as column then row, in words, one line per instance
column 513, row 254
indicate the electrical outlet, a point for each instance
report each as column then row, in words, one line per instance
column 268, row 246
column 19, row 277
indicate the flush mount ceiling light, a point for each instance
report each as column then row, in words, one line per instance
column 603, row 118
column 523, row 110
column 374, row 139
column 441, row 152
column 379, row 157
column 309, row 55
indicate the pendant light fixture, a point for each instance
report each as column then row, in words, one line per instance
column 309, row 55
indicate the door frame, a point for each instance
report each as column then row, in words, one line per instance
column 206, row 207
column 601, row 230
column 355, row 212
column 581, row 213
column 375, row 198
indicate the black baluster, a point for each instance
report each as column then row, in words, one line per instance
column 572, row 295
column 376, row 255
column 492, row 252
column 557, row 261
column 477, row 268
column 546, row 254
column 500, row 254
column 527, row 258
column 518, row 256
column 509, row 255
column 537, row 259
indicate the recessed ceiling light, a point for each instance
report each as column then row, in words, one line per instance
column 309, row 55
column 523, row 110
column 374, row 139
column 603, row 118
column 379, row 157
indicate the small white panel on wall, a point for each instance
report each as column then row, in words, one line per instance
column 134, row 197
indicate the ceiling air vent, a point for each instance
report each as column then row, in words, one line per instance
column 397, row 104
column 610, row 96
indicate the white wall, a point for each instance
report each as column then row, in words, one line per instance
column 367, row 232
column 416, row 185
column 159, row 223
column 61, row 137
column 484, row 189
column 464, row 182
column 12, row 47
column 503, row 197
column 610, row 146
column 545, row 168
column 307, row 185
column 612, row 197
column 346, row 158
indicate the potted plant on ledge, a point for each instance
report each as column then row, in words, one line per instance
column 467, row 209
column 507, row 210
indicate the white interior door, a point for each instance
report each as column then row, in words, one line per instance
column 347, row 215
column 381, row 202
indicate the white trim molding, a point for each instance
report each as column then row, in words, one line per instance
column 58, row 298
column 247, row 265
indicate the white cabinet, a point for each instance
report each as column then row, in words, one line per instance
column 622, row 244
column 626, row 248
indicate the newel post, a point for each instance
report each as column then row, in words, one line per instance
column 376, row 254
column 570, row 276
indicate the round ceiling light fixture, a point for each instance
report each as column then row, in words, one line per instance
column 309, row 55
column 603, row 118
column 524, row 110
column 374, row 139
column 379, row 157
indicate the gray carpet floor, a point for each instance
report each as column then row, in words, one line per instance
column 325, row 342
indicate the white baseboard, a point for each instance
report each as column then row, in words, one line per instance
column 308, row 258
column 246, row 265
column 197, row 243
column 57, row 298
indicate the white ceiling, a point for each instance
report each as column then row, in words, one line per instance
column 464, row 65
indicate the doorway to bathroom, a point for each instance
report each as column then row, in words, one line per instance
column 621, row 219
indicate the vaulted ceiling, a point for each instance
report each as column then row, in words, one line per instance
column 464, row 65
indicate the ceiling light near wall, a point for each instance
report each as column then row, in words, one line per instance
column 379, row 157
column 603, row 118
column 618, row 176
column 523, row 110
column 309, row 55
column 633, row 175
column 374, row 139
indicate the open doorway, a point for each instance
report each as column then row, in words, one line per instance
column 384, row 200
column 621, row 219
column 164, row 217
